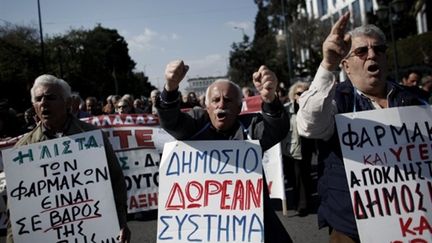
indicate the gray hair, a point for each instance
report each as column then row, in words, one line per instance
column 292, row 89
column 47, row 79
column 238, row 89
column 368, row 30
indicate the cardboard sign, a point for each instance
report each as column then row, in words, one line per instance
column 141, row 171
column 211, row 191
column 60, row 191
column 138, row 142
column 273, row 169
column 388, row 163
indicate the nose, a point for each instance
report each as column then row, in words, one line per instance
column 371, row 52
column 43, row 100
column 221, row 103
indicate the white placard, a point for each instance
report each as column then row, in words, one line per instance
column 211, row 191
column 273, row 168
column 387, row 155
column 141, row 171
column 60, row 191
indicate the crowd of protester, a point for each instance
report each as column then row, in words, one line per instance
column 14, row 123
column 305, row 134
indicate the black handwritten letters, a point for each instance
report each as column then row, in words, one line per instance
column 141, row 171
column 59, row 189
column 388, row 164
column 374, row 136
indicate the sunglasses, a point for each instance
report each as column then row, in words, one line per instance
column 299, row 93
column 48, row 97
column 362, row 51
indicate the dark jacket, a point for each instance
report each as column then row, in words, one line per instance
column 196, row 125
column 335, row 208
column 269, row 127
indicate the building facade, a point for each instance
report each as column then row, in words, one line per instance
column 330, row 10
column 199, row 85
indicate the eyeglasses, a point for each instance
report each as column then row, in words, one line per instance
column 48, row 97
column 362, row 51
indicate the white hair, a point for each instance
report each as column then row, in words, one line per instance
column 238, row 89
column 46, row 80
column 368, row 30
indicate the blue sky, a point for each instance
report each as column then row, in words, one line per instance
column 198, row 31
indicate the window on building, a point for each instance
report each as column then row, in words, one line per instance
column 368, row 5
column 322, row 7
column 335, row 17
column 356, row 13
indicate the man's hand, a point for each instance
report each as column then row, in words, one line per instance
column 174, row 73
column 265, row 82
column 124, row 235
column 337, row 44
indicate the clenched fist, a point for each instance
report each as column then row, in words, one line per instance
column 265, row 82
column 175, row 71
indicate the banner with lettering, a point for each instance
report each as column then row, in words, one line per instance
column 141, row 172
column 60, row 191
column 388, row 163
column 211, row 191
column 138, row 141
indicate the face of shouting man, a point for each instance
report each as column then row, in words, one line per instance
column 50, row 106
column 366, row 64
column 223, row 105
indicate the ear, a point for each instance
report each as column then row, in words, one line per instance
column 345, row 66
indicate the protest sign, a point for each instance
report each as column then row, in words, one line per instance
column 60, row 191
column 273, row 169
column 251, row 104
column 131, row 131
column 141, row 171
column 3, row 201
column 387, row 156
column 272, row 158
column 132, row 137
column 211, row 191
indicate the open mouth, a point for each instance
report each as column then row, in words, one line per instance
column 221, row 114
column 373, row 69
column 46, row 113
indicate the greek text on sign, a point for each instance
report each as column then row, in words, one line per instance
column 211, row 191
column 388, row 163
column 60, row 191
